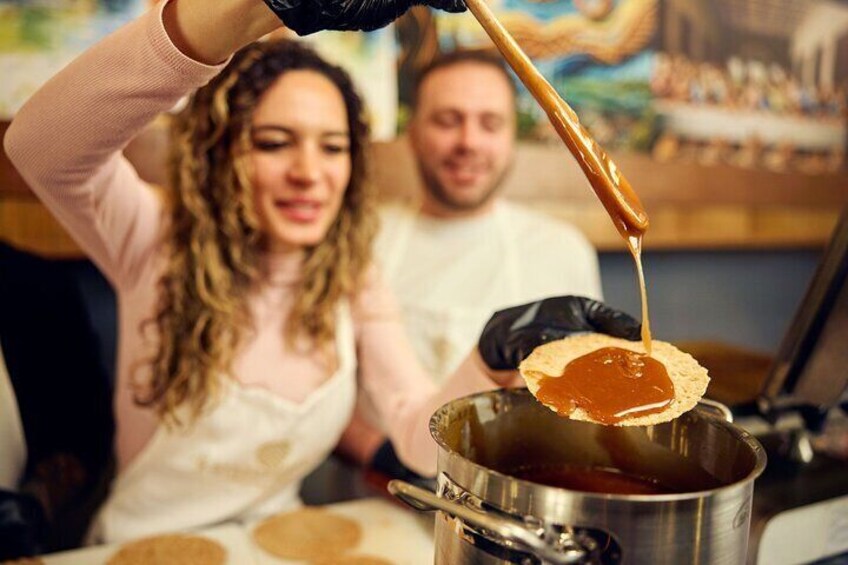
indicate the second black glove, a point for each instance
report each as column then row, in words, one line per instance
column 512, row 334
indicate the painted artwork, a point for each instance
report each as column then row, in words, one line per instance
column 596, row 53
column 753, row 83
column 39, row 37
column 748, row 83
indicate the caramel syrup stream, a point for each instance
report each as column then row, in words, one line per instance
column 634, row 244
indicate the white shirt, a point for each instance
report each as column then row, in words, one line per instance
column 451, row 275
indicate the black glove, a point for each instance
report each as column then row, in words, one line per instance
column 512, row 334
column 22, row 525
column 387, row 463
column 309, row 16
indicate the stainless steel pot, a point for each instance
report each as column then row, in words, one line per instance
column 485, row 516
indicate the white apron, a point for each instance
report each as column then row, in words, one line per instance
column 243, row 459
column 442, row 335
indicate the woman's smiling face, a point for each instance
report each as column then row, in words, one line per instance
column 300, row 159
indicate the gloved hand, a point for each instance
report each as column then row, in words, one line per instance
column 388, row 464
column 309, row 16
column 511, row 335
column 22, row 525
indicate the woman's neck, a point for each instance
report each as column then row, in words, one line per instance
column 282, row 266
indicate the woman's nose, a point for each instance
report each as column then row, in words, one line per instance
column 305, row 167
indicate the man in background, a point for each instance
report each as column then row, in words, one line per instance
column 463, row 252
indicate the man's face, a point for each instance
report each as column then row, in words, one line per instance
column 463, row 136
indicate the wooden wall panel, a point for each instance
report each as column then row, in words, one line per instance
column 690, row 206
column 26, row 224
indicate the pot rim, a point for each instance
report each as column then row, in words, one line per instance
column 740, row 434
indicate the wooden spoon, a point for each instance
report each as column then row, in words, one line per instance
column 613, row 190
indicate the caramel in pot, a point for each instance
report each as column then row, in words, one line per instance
column 591, row 479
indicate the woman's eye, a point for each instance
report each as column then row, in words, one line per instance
column 334, row 148
column 270, row 145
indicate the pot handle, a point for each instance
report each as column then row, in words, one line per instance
column 425, row 501
column 717, row 407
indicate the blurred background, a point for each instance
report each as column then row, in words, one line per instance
column 727, row 116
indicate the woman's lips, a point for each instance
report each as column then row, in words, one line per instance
column 300, row 211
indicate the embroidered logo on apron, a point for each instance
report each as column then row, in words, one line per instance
column 270, row 457
column 272, row 454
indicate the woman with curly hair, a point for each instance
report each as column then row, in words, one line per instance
column 248, row 307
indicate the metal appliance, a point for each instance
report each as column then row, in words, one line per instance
column 800, row 512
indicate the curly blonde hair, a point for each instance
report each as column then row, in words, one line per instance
column 214, row 241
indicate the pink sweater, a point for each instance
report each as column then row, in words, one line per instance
column 67, row 141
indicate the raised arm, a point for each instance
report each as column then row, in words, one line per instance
column 67, row 140
column 212, row 35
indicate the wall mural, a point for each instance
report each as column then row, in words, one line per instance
column 597, row 53
column 756, row 83
column 748, row 83
column 38, row 38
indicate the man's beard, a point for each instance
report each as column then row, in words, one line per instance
column 443, row 196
